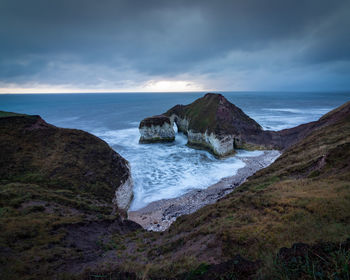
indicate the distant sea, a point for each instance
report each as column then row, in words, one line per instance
column 168, row 170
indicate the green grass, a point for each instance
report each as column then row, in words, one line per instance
column 324, row 261
column 50, row 178
column 4, row 114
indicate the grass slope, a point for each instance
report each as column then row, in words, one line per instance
column 304, row 196
column 50, row 180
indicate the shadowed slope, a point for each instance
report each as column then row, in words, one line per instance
column 56, row 192
column 34, row 151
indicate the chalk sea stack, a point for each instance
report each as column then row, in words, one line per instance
column 34, row 151
column 211, row 123
column 156, row 129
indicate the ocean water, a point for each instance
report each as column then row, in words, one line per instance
column 168, row 170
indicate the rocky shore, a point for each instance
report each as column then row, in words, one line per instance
column 159, row 215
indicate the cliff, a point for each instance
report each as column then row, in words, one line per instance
column 213, row 123
column 34, row 151
column 59, row 192
column 156, row 129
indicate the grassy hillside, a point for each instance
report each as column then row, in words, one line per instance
column 53, row 183
column 35, row 152
column 304, row 196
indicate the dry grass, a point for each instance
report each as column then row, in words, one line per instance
column 303, row 197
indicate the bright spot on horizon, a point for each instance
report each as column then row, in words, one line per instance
column 149, row 86
column 172, row 86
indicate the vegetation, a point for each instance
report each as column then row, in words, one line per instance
column 50, row 180
column 302, row 198
column 213, row 113
column 38, row 153
column 10, row 114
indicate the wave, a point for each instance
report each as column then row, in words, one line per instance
column 314, row 111
column 167, row 170
column 282, row 118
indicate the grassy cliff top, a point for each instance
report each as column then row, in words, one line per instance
column 4, row 114
column 35, row 152
column 56, row 191
column 214, row 113
column 155, row 121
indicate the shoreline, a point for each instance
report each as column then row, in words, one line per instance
column 160, row 214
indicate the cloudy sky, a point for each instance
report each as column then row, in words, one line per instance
column 174, row 45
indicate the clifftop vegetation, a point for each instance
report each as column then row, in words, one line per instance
column 49, row 228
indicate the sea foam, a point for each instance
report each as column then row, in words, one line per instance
column 167, row 170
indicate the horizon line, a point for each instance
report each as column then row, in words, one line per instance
column 165, row 92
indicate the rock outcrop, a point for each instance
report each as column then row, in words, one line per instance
column 33, row 151
column 212, row 122
column 215, row 124
column 156, row 129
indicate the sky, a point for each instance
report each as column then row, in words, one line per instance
column 174, row 45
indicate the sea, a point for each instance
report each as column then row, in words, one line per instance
column 162, row 171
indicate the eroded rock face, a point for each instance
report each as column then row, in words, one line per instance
column 215, row 124
column 34, row 151
column 156, row 129
column 220, row 145
column 124, row 194
column 210, row 122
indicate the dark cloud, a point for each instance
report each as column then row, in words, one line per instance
column 65, row 41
